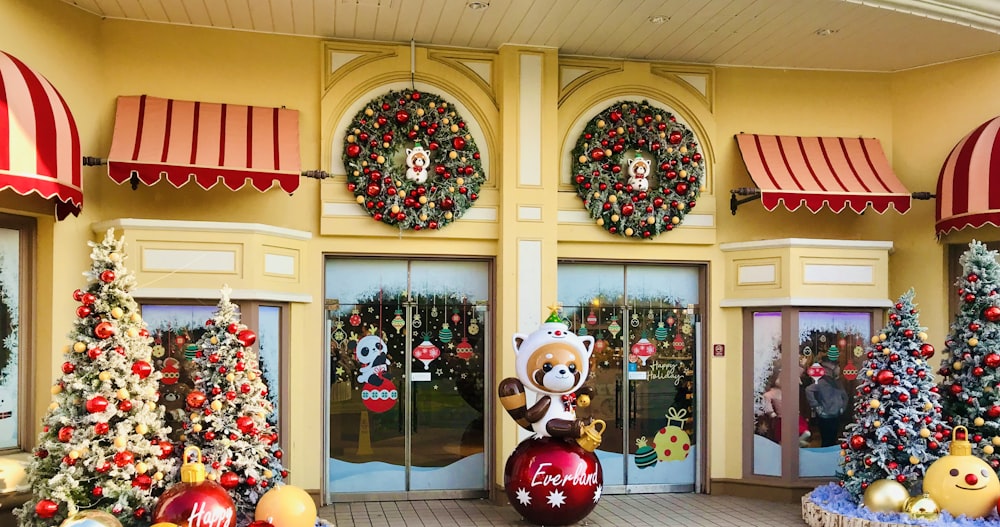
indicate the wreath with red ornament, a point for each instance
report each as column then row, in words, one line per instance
column 411, row 161
column 637, row 169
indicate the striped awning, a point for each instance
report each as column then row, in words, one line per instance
column 967, row 196
column 836, row 172
column 39, row 142
column 182, row 141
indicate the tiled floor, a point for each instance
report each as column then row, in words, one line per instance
column 654, row 510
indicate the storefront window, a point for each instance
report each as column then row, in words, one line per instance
column 176, row 329
column 767, row 400
column 15, row 274
column 800, row 402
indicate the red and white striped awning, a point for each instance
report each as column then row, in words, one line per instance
column 207, row 142
column 967, row 196
column 837, row 172
column 39, row 142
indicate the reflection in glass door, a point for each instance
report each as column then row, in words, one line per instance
column 645, row 325
column 407, row 343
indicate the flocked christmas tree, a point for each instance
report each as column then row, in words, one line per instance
column 103, row 443
column 898, row 430
column 228, row 412
column 970, row 369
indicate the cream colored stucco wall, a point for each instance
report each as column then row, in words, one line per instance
column 918, row 115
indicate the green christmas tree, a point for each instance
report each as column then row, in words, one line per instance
column 898, row 429
column 103, row 444
column 228, row 412
column 970, row 369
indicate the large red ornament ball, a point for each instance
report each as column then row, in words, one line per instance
column 380, row 398
column 46, row 509
column 195, row 500
column 992, row 313
column 108, row 276
column 233, row 328
column 65, row 434
column 195, row 399
column 926, row 351
column 104, row 330
column 552, row 481
column 229, row 480
column 244, row 424
column 857, row 442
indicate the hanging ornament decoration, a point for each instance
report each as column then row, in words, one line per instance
column 456, row 317
column 816, row 371
column 637, row 169
column 643, row 349
column 592, row 318
column 614, row 328
column 678, row 342
column 858, row 351
column 411, row 160
column 397, row 320
column 634, row 322
column 850, row 371
column 672, row 443
column 833, row 353
column 339, row 335
column 445, row 334
column 355, row 318
column 661, row 332
column 434, row 311
column 418, row 321
column 464, row 350
column 426, row 352
column 599, row 343
column 171, row 371
column 473, row 328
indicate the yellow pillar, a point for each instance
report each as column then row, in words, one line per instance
column 526, row 279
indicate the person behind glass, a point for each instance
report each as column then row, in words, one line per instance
column 772, row 408
column 828, row 401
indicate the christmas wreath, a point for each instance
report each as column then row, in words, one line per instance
column 411, row 161
column 637, row 169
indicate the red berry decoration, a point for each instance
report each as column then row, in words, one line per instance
column 108, row 276
column 436, row 149
column 166, row 449
column 46, row 509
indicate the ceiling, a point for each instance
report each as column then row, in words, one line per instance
column 856, row 35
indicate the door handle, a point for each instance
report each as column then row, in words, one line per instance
column 618, row 404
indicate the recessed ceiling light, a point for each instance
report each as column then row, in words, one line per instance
column 477, row 6
column 825, row 32
column 658, row 19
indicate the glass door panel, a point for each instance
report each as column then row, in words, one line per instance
column 643, row 367
column 767, row 399
column 411, row 417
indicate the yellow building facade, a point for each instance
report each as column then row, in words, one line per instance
column 526, row 107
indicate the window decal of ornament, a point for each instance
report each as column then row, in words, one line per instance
column 411, row 161
column 637, row 169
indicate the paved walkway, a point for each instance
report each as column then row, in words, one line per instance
column 653, row 510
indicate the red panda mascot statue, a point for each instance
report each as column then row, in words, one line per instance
column 553, row 477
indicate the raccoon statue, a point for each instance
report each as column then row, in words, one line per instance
column 554, row 362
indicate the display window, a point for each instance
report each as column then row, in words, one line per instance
column 17, row 236
column 800, row 401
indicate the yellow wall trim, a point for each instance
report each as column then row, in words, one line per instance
column 134, row 224
column 237, row 294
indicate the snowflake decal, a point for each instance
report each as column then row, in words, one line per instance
column 523, row 497
column 597, row 493
column 556, row 498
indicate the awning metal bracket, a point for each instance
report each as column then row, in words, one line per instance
column 752, row 194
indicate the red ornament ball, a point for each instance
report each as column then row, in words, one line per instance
column 885, row 377
column 46, row 509
column 83, row 311
column 78, row 295
column 232, row 328
column 992, row 360
column 104, row 330
column 246, row 338
column 192, row 496
column 926, row 351
column 857, row 442
column 229, row 480
column 65, row 434
column 551, row 481
column 195, row 399
column 142, row 369
column 97, row 404
column 108, row 276
column 992, row 313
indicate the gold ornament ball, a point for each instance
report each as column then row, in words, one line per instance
column 53, row 405
column 882, row 337
column 922, row 507
column 874, row 403
column 115, row 257
column 628, row 231
column 886, row 495
column 360, row 199
column 850, row 473
column 56, row 388
column 116, row 312
column 132, row 332
column 973, row 342
column 922, row 335
column 877, row 424
column 251, row 375
column 74, row 454
column 119, row 442
column 958, row 364
column 122, row 393
column 214, row 340
column 459, row 181
column 875, row 339
column 79, row 347
column 979, row 421
column 196, row 428
column 286, row 506
column 216, row 405
column 988, row 450
column 141, row 468
column 141, row 429
column 925, row 432
column 996, row 441
column 230, row 377
column 914, row 460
